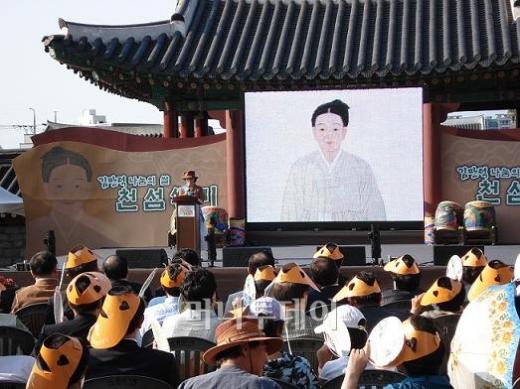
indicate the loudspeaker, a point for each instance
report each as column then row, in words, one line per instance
column 443, row 253
column 352, row 255
column 144, row 258
column 239, row 256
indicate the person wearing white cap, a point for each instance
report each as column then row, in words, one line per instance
column 281, row 365
column 343, row 329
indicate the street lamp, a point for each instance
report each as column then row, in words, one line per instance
column 34, row 120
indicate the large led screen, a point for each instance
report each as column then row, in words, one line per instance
column 334, row 155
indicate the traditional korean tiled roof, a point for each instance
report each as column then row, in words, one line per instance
column 298, row 40
column 151, row 130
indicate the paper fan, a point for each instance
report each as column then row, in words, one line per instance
column 454, row 268
column 386, row 341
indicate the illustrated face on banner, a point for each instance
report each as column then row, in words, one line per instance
column 66, row 177
column 329, row 133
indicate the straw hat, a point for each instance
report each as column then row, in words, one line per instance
column 111, row 326
column 292, row 273
column 265, row 273
column 55, row 365
column 236, row 332
column 329, row 251
column 80, row 257
column 495, row 273
column 444, row 289
column 189, row 174
column 97, row 287
column 180, row 274
column 403, row 266
column 357, row 287
column 474, row 258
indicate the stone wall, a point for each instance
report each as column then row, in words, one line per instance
column 12, row 240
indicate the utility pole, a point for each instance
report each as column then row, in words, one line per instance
column 34, row 120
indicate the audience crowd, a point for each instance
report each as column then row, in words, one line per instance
column 100, row 324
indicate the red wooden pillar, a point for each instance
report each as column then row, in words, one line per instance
column 171, row 120
column 186, row 130
column 201, row 125
column 235, row 164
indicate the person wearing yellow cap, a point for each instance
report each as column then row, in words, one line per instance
column 171, row 280
column 114, row 350
column 473, row 262
column 494, row 273
column 85, row 295
column 263, row 277
column 330, row 251
column 255, row 261
column 291, row 288
column 363, row 292
column 406, row 276
column 60, row 364
column 443, row 303
column 419, row 357
column 240, row 354
column 80, row 259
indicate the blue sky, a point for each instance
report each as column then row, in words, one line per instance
column 29, row 77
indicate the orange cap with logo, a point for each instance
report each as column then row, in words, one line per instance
column 79, row 257
column 417, row 344
column 444, row 289
column 292, row 273
column 111, row 326
column 329, row 251
column 87, row 288
column 173, row 276
column 59, row 357
column 404, row 265
column 265, row 273
column 495, row 273
column 474, row 258
column 362, row 284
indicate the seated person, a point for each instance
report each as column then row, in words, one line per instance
column 256, row 261
column 198, row 319
column 114, row 350
column 240, row 354
column 495, row 273
column 324, row 273
column 80, row 259
column 85, row 295
column 281, row 365
column 364, row 293
column 43, row 270
column 263, row 277
column 332, row 251
column 188, row 255
column 291, row 288
column 473, row 262
column 420, row 359
column 407, row 277
column 444, row 302
column 354, row 324
column 116, row 269
column 171, row 280
column 60, row 364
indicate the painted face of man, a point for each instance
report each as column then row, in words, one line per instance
column 67, row 184
column 329, row 132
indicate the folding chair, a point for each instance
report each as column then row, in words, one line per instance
column 125, row 382
column 14, row 341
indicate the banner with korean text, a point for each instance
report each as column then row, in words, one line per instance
column 484, row 165
column 102, row 197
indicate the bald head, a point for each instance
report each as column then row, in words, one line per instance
column 115, row 267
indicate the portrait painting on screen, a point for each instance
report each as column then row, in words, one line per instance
column 334, row 156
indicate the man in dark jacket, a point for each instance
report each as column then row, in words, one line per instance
column 114, row 348
column 85, row 295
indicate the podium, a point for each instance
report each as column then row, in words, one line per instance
column 187, row 221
